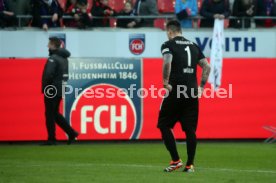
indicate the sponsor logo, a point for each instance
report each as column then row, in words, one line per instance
column 231, row 44
column 137, row 43
column 103, row 118
column 97, row 102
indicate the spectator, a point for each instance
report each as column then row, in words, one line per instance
column 78, row 9
column 127, row 11
column 243, row 8
column 100, row 8
column 214, row 9
column 70, row 4
column 46, row 8
column 185, row 9
column 20, row 7
column 7, row 17
column 144, row 8
column 266, row 8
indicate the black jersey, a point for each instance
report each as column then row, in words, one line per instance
column 186, row 56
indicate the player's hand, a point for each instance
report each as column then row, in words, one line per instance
column 200, row 91
column 84, row 9
column 9, row 13
column 45, row 27
column 106, row 12
column 77, row 17
column 189, row 11
column 250, row 11
column 131, row 24
column 168, row 87
column 55, row 17
column 216, row 16
column 221, row 17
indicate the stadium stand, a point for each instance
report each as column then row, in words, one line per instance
column 165, row 9
column 89, row 4
column 62, row 3
column 117, row 5
column 166, row 6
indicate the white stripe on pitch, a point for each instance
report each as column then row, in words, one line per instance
column 134, row 166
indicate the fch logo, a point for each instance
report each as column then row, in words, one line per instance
column 99, row 112
column 137, row 43
column 95, row 109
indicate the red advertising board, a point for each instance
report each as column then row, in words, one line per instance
column 251, row 107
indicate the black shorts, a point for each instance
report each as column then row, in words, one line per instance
column 173, row 109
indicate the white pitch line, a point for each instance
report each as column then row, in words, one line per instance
column 137, row 166
column 200, row 168
column 237, row 170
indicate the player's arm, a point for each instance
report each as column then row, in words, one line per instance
column 167, row 60
column 203, row 63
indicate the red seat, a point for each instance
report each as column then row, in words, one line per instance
column 117, row 5
column 113, row 22
column 89, row 5
column 199, row 4
column 62, row 3
column 166, row 6
column 160, row 23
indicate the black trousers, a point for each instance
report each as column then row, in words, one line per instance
column 53, row 117
column 7, row 21
column 184, row 110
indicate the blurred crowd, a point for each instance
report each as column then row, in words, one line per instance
column 104, row 13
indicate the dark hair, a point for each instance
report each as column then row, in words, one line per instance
column 55, row 41
column 174, row 26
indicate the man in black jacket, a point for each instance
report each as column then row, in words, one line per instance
column 145, row 8
column 54, row 74
column 214, row 9
column 100, row 8
column 7, row 17
column 46, row 8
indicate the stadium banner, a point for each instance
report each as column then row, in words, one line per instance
column 143, row 43
column 240, row 112
column 99, row 101
column 216, row 58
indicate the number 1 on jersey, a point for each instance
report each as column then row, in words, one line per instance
column 187, row 49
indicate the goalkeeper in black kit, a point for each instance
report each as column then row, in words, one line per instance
column 180, row 60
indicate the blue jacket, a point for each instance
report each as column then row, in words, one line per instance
column 180, row 11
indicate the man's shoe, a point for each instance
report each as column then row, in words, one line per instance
column 49, row 143
column 72, row 138
column 189, row 169
column 174, row 165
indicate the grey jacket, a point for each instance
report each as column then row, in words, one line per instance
column 146, row 7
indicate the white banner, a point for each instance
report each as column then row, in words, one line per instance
column 216, row 58
column 145, row 43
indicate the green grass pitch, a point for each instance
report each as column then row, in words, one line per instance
column 135, row 162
